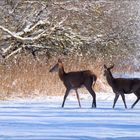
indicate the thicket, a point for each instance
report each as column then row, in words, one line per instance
column 84, row 33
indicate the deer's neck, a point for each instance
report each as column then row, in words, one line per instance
column 61, row 73
column 110, row 79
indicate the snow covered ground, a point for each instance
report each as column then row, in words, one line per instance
column 44, row 119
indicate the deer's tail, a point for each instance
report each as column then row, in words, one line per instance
column 94, row 79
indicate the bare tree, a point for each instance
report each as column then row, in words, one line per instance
column 94, row 28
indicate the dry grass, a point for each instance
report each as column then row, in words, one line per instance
column 29, row 78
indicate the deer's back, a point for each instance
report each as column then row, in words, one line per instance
column 127, row 85
column 77, row 79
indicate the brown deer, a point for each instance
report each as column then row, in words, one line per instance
column 75, row 80
column 121, row 86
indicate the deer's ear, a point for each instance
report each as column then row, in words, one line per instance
column 59, row 60
column 105, row 66
column 111, row 67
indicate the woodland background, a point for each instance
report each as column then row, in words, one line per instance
column 85, row 34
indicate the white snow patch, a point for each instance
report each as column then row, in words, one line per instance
column 127, row 75
column 43, row 118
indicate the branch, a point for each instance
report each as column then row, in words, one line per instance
column 22, row 38
column 11, row 33
column 14, row 52
column 4, row 51
column 13, row 10
column 42, row 34
column 29, row 28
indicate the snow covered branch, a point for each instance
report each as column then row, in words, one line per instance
column 31, row 33
column 30, row 28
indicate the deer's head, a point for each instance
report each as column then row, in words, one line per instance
column 57, row 66
column 107, row 69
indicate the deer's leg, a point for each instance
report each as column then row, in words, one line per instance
column 88, row 84
column 78, row 98
column 123, row 98
column 115, row 99
column 93, row 96
column 65, row 96
column 135, row 102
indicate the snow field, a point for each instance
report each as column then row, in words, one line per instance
column 44, row 119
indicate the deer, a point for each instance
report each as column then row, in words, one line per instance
column 122, row 86
column 74, row 80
